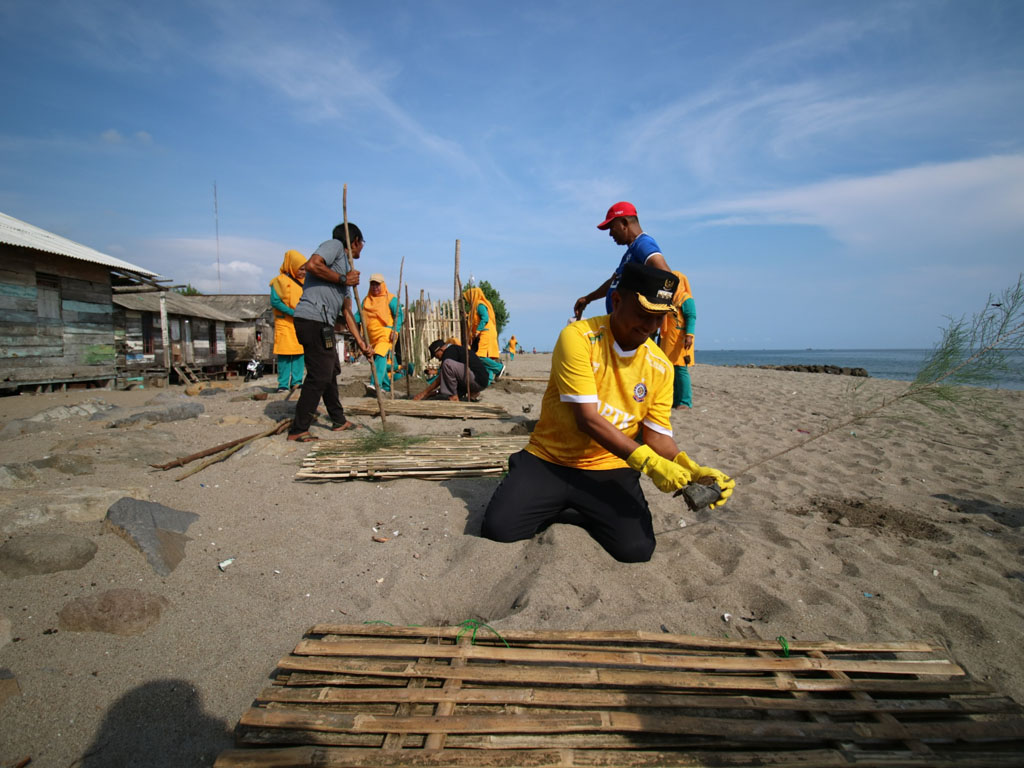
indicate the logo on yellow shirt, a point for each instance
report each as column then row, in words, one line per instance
column 640, row 392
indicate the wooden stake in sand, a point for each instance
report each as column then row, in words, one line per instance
column 181, row 462
column 355, row 296
column 391, row 349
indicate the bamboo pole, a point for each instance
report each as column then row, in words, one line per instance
column 391, row 349
column 408, row 346
column 355, row 296
column 461, row 315
column 181, row 462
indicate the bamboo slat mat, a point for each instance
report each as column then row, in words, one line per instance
column 374, row 696
column 436, row 458
column 431, row 409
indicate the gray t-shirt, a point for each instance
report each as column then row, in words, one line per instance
column 321, row 300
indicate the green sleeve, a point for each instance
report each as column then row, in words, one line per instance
column 689, row 310
column 355, row 315
column 276, row 303
column 484, row 317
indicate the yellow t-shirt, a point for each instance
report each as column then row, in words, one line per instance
column 630, row 389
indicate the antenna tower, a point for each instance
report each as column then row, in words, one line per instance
column 216, row 228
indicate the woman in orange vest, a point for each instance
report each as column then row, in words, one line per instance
column 285, row 292
column 383, row 316
column 483, row 324
column 677, row 341
column 512, row 347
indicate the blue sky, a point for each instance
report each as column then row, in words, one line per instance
column 828, row 174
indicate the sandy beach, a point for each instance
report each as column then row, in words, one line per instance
column 893, row 529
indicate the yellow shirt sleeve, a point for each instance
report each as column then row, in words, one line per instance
column 570, row 363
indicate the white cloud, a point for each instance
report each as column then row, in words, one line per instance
column 928, row 210
column 246, row 264
column 112, row 136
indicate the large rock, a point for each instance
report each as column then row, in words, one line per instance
column 86, row 504
column 68, row 463
column 18, row 475
column 175, row 412
column 155, row 530
column 37, row 553
column 116, row 611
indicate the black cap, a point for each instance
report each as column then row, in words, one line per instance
column 654, row 287
column 434, row 346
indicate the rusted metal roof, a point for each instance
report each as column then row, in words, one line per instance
column 176, row 305
column 17, row 232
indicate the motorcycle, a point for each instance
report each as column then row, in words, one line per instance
column 253, row 369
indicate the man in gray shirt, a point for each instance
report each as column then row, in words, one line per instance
column 326, row 295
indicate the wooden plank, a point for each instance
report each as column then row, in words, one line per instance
column 760, row 730
column 507, row 673
column 647, row 660
column 326, row 757
column 587, row 698
column 519, row 637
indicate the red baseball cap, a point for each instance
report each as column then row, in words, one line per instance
column 619, row 209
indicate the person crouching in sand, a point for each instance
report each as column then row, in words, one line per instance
column 609, row 385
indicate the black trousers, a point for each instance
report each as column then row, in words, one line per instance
column 321, row 367
column 535, row 493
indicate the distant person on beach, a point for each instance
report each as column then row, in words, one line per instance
column 383, row 317
column 609, row 386
column 624, row 228
column 484, row 327
column 451, row 373
column 676, row 341
column 326, row 296
column 285, row 293
column 512, row 348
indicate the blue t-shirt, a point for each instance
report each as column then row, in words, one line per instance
column 638, row 252
column 322, row 301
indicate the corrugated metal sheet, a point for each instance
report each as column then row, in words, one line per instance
column 17, row 232
column 176, row 305
column 248, row 306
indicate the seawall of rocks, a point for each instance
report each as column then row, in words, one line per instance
column 833, row 369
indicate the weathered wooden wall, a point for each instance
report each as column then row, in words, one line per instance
column 56, row 318
column 189, row 338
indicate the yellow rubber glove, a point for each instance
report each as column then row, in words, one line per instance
column 667, row 475
column 707, row 475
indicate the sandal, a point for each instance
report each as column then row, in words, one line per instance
column 303, row 437
column 342, row 427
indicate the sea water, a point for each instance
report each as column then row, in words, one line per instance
column 899, row 364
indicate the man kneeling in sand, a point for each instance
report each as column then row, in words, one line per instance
column 609, row 384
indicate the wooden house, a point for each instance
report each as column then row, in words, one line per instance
column 252, row 334
column 196, row 333
column 56, row 315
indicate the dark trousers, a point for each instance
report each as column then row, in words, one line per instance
column 321, row 366
column 535, row 493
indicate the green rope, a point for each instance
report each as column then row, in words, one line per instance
column 387, row 623
column 477, row 625
column 784, row 644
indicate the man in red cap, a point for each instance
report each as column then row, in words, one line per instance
column 624, row 228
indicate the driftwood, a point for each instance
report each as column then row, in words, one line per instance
column 277, row 429
column 181, row 462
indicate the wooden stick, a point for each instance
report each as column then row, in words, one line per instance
column 391, row 349
column 277, row 429
column 355, row 296
column 408, row 345
column 186, row 459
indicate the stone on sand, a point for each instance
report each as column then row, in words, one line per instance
column 38, row 553
column 116, row 611
column 155, row 530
